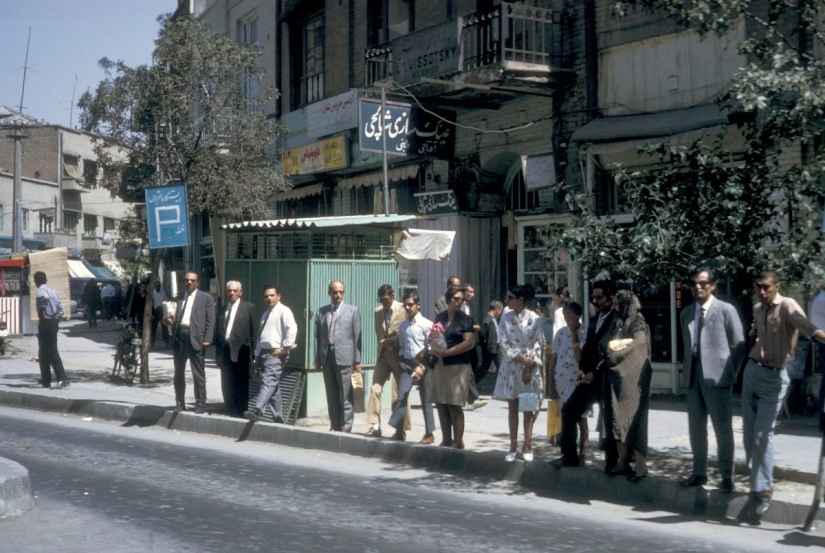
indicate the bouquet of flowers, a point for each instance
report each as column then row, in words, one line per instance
column 436, row 339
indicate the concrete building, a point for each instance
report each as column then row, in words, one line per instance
column 61, row 204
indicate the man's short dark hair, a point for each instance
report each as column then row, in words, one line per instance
column 411, row 295
column 524, row 291
column 768, row 274
column 575, row 308
column 39, row 278
column 385, row 290
column 606, row 286
column 466, row 285
column 704, row 269
column 451, row 278
column 495, row 304
column 271, row 287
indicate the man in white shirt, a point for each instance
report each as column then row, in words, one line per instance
column 235, row 336
column 108, row 295
column 277, row 337
column 412, row 336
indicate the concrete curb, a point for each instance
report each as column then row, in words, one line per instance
column 587, row 483
column 15, row 489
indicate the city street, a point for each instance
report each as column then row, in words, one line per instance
column 100, row 486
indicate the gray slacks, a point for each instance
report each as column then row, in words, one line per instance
column 405, row 384
column 763, row 390
column 272, row 366
column 338, row 386
column 713, row 401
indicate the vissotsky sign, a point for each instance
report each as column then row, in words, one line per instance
column 429, row 53
column 409, row 131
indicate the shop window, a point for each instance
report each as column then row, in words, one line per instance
column 389, row 19
column 308, row 61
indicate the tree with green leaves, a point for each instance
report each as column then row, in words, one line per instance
column 195, row 116
column 759, row 207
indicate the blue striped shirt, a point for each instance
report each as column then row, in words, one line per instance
column 49, row 303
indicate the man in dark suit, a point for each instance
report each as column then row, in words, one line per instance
column 193, row 326
column 441, row 302
column 338, row 353
column 590, row 376
column 714, row 346
column 235, row 336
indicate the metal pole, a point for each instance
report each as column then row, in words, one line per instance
column 17, row 196
column 383, row 87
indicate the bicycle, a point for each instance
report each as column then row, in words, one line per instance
column 127, row 354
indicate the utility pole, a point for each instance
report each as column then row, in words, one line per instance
column 17, row 214
column 384, row 87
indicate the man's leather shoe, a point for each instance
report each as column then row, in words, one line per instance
column 200, row 409
column 399, row 436
column 373, row 433
column 427, row 440
column 727, row 485
column 254, row 414
column 693, row 481
column 564, row 462
column 179, row 407
column 763, row 503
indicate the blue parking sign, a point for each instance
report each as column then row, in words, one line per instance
column 167, row 217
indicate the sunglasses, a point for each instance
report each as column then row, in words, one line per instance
column 700, row 283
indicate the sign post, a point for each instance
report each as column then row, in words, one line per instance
column 167, row 217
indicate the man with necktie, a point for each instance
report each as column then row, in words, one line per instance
column 338, row 354
column 235, row 337
column 714, row 344
column 277, row 336
column 388, row 317
column 193, row 327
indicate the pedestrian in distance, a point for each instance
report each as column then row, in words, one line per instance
column 277, row 336
column 193, row 329
column 158, row 297
column 777, row 322
column 412, row 335
column 92, row 301
column 488, row 338
column 450, row 380
column 388, row 318
column 49, row 313
column 109, row 296
column 714, row 345
column 236, row 335
column 521, row 332
column 442, row 303
column 338, row 354
column 474, row 400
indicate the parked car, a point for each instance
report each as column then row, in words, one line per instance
column 76, row 286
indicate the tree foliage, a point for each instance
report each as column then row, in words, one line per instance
column 193, row 116
column 739, row 211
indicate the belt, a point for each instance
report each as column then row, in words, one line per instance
column 766, row 366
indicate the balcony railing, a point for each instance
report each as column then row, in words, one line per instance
column 507, row 33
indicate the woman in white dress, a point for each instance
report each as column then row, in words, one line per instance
column 564, row 364
column 520, row 339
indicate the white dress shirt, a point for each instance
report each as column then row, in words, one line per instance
column 231, row 309
column 412, row 335
column 187, row 311
column 700, row 309
column 279, row 331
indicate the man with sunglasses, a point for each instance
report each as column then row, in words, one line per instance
column 777, row 322
column 599, row 332
column 714, row 346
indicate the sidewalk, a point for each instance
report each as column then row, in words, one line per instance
column 87, row 356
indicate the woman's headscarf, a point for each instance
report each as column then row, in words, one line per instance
column 628, row 306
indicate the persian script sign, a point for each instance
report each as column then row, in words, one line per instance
column 443, row 201
column 317, row 157
column 333, row 115
column 409, row 130
column 167, row 217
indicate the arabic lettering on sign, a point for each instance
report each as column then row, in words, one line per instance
column 436, row 202
column 161, row 195
column 316, row 157
column 333, row 115
column 407, row 130
column 167, row 217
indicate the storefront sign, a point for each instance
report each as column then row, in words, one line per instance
column 409, row 130
column 317, row 157
column 539, row 172
column 443, row 201
column 429, row 53
column 332, row 115
column 167, row 217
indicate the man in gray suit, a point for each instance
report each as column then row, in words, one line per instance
column 714, row 346
column 193, row 327
column 338, row 353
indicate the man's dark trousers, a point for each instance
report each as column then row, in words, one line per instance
column 47, row 352
column 182, row 353
column 235, row 382
column 272, row 367
column 576, row 406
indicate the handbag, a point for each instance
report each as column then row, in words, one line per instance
column 528, row 402
column 553, row 417
column 357, row 380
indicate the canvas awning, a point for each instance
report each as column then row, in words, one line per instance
column 319, row 222
column 298, row 193
column 623, row 128
column 377, row 177
column 78, row 270
column 426, row 244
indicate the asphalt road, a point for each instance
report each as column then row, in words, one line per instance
column 100, row 486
